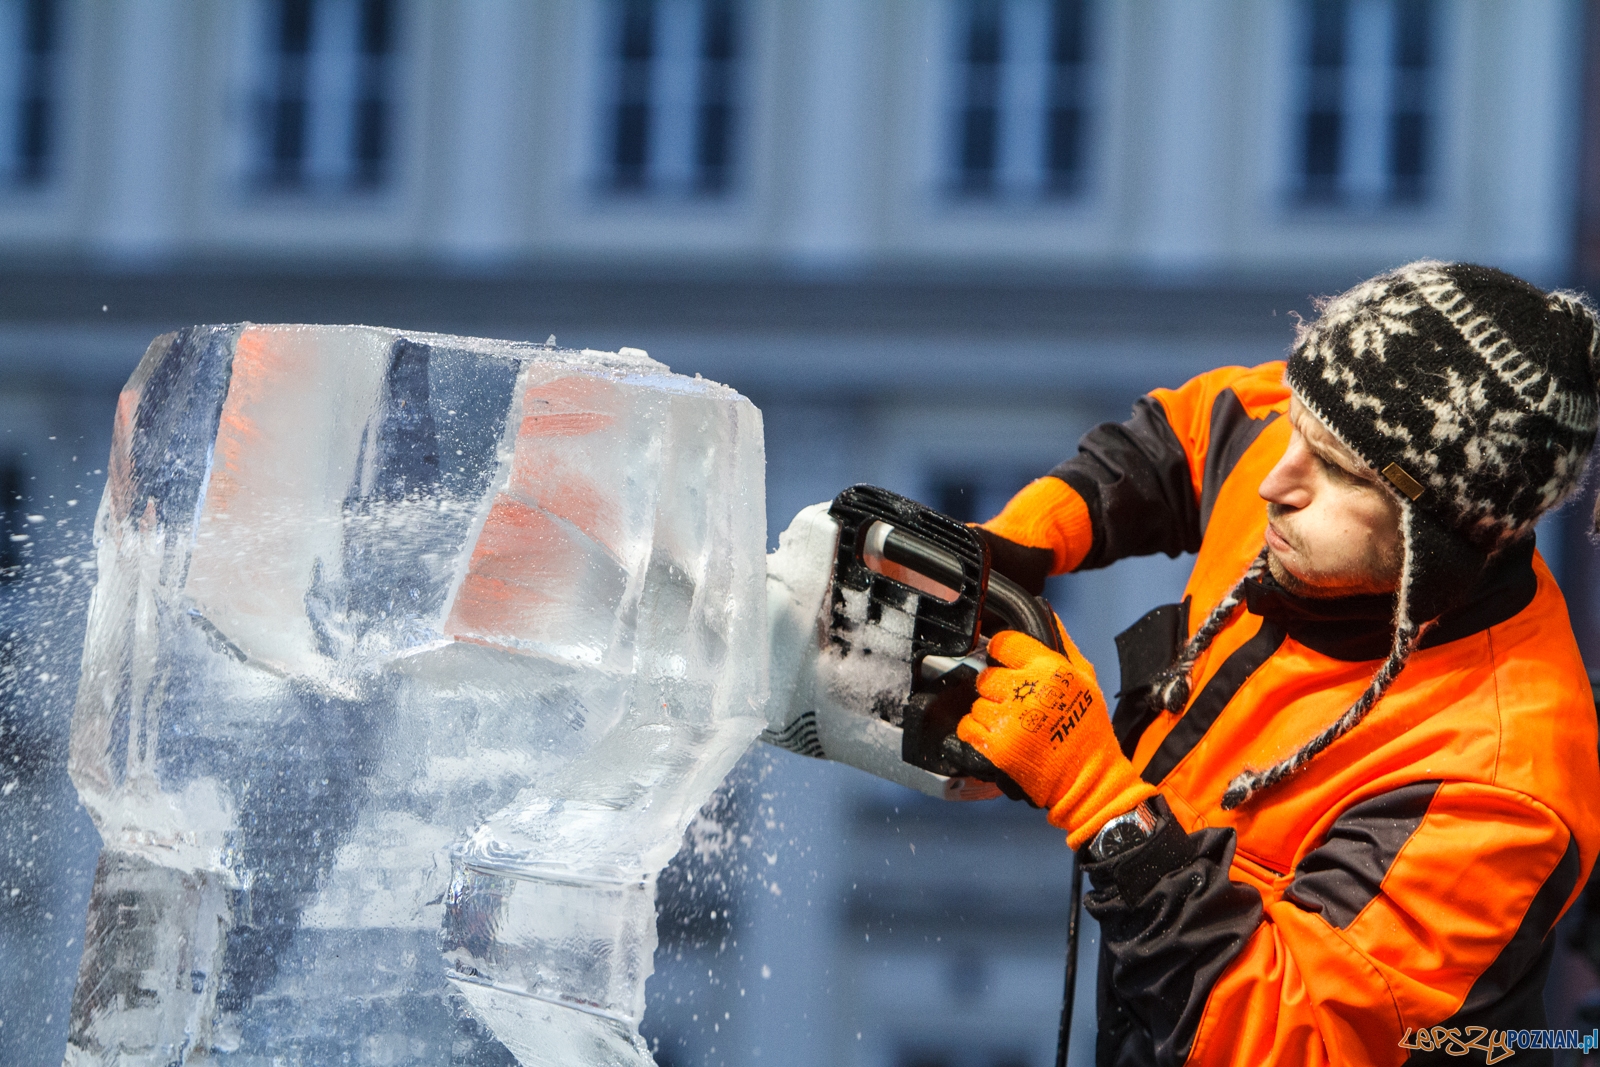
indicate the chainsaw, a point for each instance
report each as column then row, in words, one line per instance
column 878, row 612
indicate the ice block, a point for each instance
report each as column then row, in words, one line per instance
column 409, row 660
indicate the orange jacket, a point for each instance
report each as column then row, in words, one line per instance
column 1409, row 876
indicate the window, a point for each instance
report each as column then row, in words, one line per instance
column 1365, row 129
column 974, row 493
column 1021, row 111
column 672, row 118
column 324, row 110
column 29, row 41
column 13, row 522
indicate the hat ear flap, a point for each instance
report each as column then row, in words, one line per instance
column 1441, row 568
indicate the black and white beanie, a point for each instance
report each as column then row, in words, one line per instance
column 1473, row 395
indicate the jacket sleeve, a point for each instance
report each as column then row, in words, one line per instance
column 1146, row 485
column 1133, row 477
column 1424, row 907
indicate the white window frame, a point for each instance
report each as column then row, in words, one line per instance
column 1369, row 77
column 1026, row 83
column 678, row 91
column 338, row 80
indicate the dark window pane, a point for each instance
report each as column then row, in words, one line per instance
column 1408, row 155
column 1413, row 21
column 1326, row 40
column 294, row 27
column 630, row 150
column 979, row 130
column 370, row 127
column 39, row 27
column 1322, row 158
column 1408, row 108
column 711, row 147
column 718, row 40
column 284, row 113
column 983, row 32
column 957, row 496
column 1069, row 45
column 35, row 104
column 980, row 115
column 1322, row 144
column 371, row 141
column 377, row 27
column 638, row 30
column 715, row 115
column 1065, row 126
column 1323, row 130
column 1066, row 149
column 633, row 133
column 12, row 521
column 288, row 140
column 33, row 139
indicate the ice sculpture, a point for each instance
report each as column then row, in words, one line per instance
column 410, row 659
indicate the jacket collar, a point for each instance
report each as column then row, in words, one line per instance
column 1357, row 628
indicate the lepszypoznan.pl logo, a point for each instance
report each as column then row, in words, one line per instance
column 1496, row 1045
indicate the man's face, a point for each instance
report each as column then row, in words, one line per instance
column 1332, row 529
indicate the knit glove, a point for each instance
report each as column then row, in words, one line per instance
column 1040, row 718
column 1049, row 515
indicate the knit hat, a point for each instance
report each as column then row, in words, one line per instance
column 1473, row 395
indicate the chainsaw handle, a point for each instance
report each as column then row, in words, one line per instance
column 1012, row 606
column 1005, row 600
column 1018, row 610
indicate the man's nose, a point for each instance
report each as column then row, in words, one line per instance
column 1288, row 483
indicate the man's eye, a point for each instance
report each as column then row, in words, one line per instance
column 1336, row 472
column 1344, row 476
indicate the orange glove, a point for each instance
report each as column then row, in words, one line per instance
column 1041, row 719
column 1047, row 513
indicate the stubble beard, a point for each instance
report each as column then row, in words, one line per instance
column 1365, row 584
column 1376, row 575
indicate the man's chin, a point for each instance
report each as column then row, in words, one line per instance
column 1317, row 588
column 1290, row 581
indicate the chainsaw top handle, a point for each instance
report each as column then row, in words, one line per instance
column 1010, row 604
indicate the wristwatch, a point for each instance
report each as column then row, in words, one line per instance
column 1123, row 832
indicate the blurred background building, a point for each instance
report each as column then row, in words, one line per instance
column 934, row 241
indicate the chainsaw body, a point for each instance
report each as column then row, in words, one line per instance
column 878, row 610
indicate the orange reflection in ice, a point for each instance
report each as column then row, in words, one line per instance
column 238, row 437
column 532, row 544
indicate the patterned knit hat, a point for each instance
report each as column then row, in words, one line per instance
column 1469, row 390
column 1473, row 394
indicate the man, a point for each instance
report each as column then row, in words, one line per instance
column 1349, row 787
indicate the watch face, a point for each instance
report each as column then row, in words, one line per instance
column 1106, row 842
column 1117, row 836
